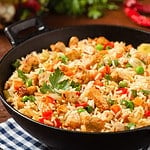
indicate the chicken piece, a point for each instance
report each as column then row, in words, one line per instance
column 73, row 54
column 100, row 102
column 136, row 114
column 122, row 74
column 94, row 124
column 22, row 91
column 28, row 63
column 58, row 47
column 35, row 80
column 72, row 120
column 61, row 109
column 101, row 40
column 70, row 96
column 31, row 90
column 89, row 61
column 73, row 42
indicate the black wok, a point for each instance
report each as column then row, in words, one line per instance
column 58, row 138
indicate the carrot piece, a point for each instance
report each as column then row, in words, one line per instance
column 69, row 73
column 115, row 108
column 18, row 84
column 118, row 55
column 138, row 101
column 98, row 82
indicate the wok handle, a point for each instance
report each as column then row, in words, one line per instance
column 17, row 32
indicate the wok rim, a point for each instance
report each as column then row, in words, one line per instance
column 7, row 104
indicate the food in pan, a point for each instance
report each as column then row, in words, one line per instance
column 89, row 85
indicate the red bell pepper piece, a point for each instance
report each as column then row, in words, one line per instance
column 57, row 123
column 82, row 104
column 109, row 45
column 147, row 113
column 123, row 91
column 47, row 114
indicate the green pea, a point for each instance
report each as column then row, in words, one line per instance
column 99, row 47
column 123, row 84
column 79, row 110
column 139, row 70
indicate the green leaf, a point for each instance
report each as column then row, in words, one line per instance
column 56, row 81
column 55, row 78
column 45, row 88
column 93, row 13
column 75, row 85
column 63, row 85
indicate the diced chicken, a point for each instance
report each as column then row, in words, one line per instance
column 73, row 54
column 94, row 124
column 70, row 96
column 31, row 90
column 58, row 47
column 73, row 120
column 28, row 63
column 100, row 102
column 73, row 42
column 121, row 73
column 61, row 109
column 136, row 114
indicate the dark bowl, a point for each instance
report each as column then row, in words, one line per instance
column 71, row 140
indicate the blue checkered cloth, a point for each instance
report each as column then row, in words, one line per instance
column 13, row 137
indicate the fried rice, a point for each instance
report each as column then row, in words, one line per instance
column 89, row 85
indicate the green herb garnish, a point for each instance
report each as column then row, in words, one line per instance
column 56, row 82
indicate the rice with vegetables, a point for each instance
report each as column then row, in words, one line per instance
column 90, row 85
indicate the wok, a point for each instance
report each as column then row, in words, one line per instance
column 63, row 139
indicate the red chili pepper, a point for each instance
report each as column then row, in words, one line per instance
column 147, row 113
column 132, row 10
column 137, row 17
column 83, row 104
column 123, row 90
column 144, row 8
column 32, row 4
column 130, row 3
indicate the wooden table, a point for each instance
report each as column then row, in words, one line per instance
column 111, row 17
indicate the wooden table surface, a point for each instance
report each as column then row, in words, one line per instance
column 111, row 17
